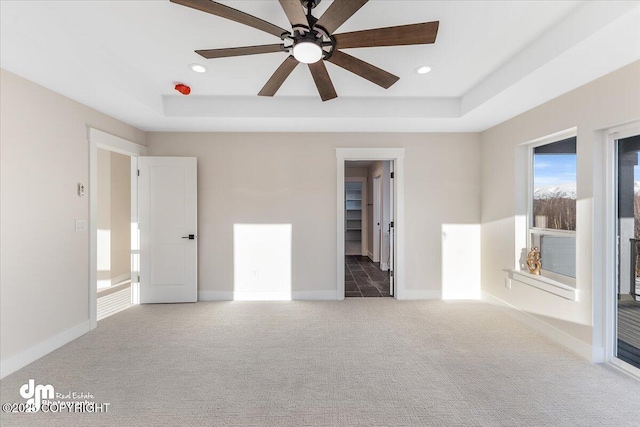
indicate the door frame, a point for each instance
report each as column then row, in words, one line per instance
column 376, row 182
column 99, row 139
column 609, row 285
column 397, row 156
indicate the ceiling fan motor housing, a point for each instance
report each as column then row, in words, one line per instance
column 310, row 3
column 307, row 47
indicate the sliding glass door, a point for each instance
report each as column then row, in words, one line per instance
column 627, row 346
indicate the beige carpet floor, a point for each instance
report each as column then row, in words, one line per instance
column 359, row 362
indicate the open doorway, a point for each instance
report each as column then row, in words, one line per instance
column 114, row 287
column 395, row 158
column 368, row 228
column 115, row 234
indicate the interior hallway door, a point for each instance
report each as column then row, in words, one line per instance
column 168, row 200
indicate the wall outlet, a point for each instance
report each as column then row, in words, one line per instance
column 81, row 225
column 507, row 283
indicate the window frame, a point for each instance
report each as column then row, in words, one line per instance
column 538, row 232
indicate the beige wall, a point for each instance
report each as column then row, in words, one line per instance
column 609, row 101
column 287, row 178
column 120, row 216
column 350, row 172
column 114, row 217
column 44, row 286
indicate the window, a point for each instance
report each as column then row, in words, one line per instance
column 552, row 210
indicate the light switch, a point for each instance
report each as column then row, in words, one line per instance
column 81, row 225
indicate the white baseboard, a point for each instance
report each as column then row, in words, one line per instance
column 599, row 355
column 370, row 255
column 22, row 359
column 593, row 354
column 215, row 296
column 120, row 278
column 267, row 296
column 384, row 266
column 313, row 295
column 414, row 294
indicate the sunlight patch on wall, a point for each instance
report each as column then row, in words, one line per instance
column 460, row 261
column 262, row 262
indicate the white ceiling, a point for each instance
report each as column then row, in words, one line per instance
column 492, row 60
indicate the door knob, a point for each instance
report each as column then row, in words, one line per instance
column 190, row 237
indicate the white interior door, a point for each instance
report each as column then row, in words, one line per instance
column 167, row 195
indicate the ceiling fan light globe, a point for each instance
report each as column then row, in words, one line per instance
column 307, row 52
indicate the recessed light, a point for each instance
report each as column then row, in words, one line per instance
column 423, row 69
column 197, row 68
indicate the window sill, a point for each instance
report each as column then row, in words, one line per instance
column 545, row 284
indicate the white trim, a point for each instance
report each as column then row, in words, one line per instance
column 605, row 290
column 314, row 295
column 267, row 296
column 370, row 153
column 22, row 359
column 552, row 232
column 545, row 283
column 554, row 137
column 100, row 139
column 397, row 155
column 262, row 295
column 560, row 337
column 215, row 296
column 384, row 266
column 116, row 144
column 607, row 287
column 113, row 289
column 370, row 255
column 120, row 278
column 414, row 294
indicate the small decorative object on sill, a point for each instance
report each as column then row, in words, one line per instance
column 533, row 261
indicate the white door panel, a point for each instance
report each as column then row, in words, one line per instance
column 168, row 215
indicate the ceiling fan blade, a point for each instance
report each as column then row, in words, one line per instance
column 323, row 81
column 240, row 51
column 402, row 35
column 363, row 69
column 278, row 78
column 294, row 11
column 338, row 13
column 232, row 14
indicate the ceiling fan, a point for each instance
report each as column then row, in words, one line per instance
column 312, row 41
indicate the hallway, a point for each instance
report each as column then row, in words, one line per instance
column 363, row 278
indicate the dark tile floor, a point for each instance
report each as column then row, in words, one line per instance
column 363, row 278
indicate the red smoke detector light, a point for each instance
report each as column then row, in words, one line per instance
column 183, row 89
